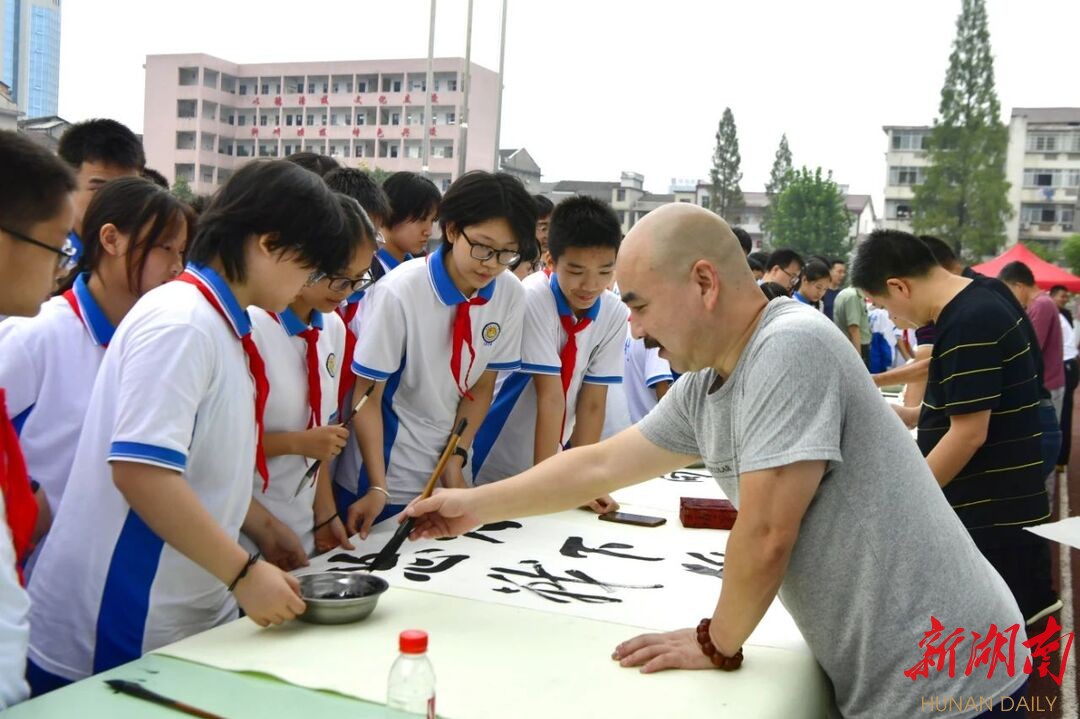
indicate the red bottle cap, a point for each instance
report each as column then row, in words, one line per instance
column 412, row 641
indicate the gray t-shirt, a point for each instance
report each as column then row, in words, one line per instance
column 879, row 550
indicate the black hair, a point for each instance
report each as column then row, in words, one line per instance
column 815, row 270
column 358, row 226
column 360, row 186
column 101, row 140
column 755, row 264
column 887, row 254
column 782, row 258
column 544, row 207
column 199, row 203
column 33, row 184
column 479, row 196
column 772, row 290
column 940, row 250
column 818, row 258
column 745, row 241
column 762, row 258
column 837, row 261
column 412, row 197
column 1017, row 273
column 283, row 200
column 583, row 221
column 313, row 162
column 1058, row 288
column 139, row 209
column 154, row 176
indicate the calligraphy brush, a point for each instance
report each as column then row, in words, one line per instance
column 385, row 558
column 314, row 468
column 121, row 686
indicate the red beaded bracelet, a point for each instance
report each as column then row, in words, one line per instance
column 720, row 661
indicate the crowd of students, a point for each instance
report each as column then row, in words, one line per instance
column 169, row 377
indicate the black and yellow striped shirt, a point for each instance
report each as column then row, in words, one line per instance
column 983, row 360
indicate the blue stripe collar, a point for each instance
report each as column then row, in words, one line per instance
column 444, row 286
column 565, row 310
column 355, row 297
column 93, row 317
column 800, row 298
column 389, row 260
column 77, row 243
column 293, row 325
column 236, row 315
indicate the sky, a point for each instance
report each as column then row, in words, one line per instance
column 595, row 87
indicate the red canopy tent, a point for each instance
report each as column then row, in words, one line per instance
column 1046, row 275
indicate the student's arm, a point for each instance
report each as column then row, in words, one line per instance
column 549, row 412
column 966, row 433
column 166, row 502
column 368, row 426
column 661, row 388
column 912, row 372
column 772, row 503
column 332, row 535
column 916, row 386
column 276, row 541
column 904, row 348
column 322, row 443
column 589, row 415
column 474, row 411
column 44, row 517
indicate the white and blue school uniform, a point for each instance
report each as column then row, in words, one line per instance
column 407, row 343
column 388, row 261
column 288, row 408
column 504, row 443
column 47, row 366
column 645, row 369
column 174, row 391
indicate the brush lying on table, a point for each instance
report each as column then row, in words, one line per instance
column 309, row 476
column 385, row 560
column 134, row 689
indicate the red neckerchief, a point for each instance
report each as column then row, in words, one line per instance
column 463, row 334
column 568, row 357
column 255, row 365
column 347, row 378
column 19, row 502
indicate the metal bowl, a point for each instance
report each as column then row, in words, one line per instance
column 336, row 598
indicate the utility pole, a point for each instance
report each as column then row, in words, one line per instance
column 498, row 106
column 425, row 163
column 463, row 125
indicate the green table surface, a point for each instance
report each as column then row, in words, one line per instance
column 229, row 694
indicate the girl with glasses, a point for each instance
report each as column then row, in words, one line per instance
column 134, row 234
column 437, row 332
column 304, row 348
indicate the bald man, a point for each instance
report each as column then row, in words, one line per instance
column 779, row 406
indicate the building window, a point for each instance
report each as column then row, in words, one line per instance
column 288, row 120
column 910, row 140
column 359, row 149
column 311, row 119
column 620, row 194
column 394, row 151
column 451, row 118
column 898, row 209
column 1046, row 215
column 361, row 86
column 262, row 120
column 451, row 85
column 1043, row 142
column 361, row 118
column 241, row 120
column 906, row 175
column 266, row 88
column 396, row 86
column 395, row 118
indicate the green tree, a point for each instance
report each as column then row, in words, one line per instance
column 809, row 215
column 377, row 173
column 778, row 178
column 1044, row 252
column 964, row 197
column 1070, row 253
column 182, row 190
column 725, row 197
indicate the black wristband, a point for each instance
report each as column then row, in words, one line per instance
column 463, row 453
column 322, row 524
column 243, row 572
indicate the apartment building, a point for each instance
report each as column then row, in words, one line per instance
column 205, row 116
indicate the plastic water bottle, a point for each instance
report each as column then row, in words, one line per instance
column 411, row 686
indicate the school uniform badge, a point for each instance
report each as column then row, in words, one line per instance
column 491, row 332
column 331, row 364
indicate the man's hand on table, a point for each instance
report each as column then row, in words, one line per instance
column 268, row 595
column 447, row 513
column 657, row 652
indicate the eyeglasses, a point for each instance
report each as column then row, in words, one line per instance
column 342, row 284
column 67, row 252
column 482, row 252
column 793, row 276
column 314, row 278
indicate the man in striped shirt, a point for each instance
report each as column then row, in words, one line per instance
column 979, row 423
